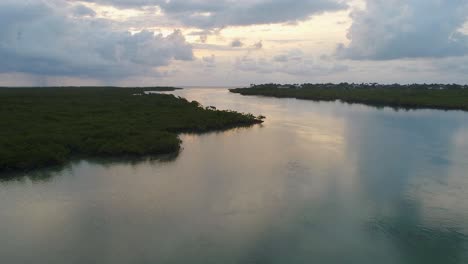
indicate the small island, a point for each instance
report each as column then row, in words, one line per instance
column 49, row 126
column 411, row 96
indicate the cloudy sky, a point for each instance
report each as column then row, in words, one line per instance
column 232, row 42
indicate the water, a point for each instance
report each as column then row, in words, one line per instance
column 317, row 183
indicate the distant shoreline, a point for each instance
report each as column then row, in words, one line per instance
column 415, row 96
column 51, row 126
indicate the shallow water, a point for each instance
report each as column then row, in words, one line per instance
column 317, row 183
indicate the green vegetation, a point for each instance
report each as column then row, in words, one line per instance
column 49, row 126
column 434, row 96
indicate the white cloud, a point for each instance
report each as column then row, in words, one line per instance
column 393, row 29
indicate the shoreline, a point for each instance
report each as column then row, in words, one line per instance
column 407, row 97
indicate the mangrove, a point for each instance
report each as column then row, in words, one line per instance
column 49, row 126
column 411, row 96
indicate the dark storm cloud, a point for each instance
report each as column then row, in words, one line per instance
column 56, row 38
column 393, row 29
column 221, row 13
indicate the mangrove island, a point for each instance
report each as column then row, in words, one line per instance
column 49, row 126
column 411, row 96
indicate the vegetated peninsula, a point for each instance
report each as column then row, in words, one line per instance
column 413, row 96
column 49, row 126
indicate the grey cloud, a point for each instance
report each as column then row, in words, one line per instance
column 288, row 41
column 248, row 64
column 305, row 67
column 209, row 61
column 457, row 65
column 407, row 29
column 258, row 45
column 206, row 46
column 43, row 38
column 292, row 55
column 81, row 10
column 221, row 13
column 203, row 38
column 204, row 34
column 236, row 43
column 280, row 58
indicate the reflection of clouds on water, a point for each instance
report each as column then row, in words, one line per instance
column 421, row 244
column 399, row 156
column 444, row 195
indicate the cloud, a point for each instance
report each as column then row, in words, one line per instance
column 290, row 64
column 457, row 65
column 209, row 61
column 204, row 34
column 237, row 43
column 394, row 29
column 60, row 39
column 221, row 13
column 258, row 45
column 292, row 55
column 81, row 10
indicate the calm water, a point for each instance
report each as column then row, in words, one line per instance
column 317, row 183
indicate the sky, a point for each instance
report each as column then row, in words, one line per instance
column 232, row 42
